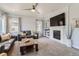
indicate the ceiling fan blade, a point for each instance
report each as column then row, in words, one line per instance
column 36, row 4
column 27, row 9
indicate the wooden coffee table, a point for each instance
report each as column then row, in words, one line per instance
column 28, row 44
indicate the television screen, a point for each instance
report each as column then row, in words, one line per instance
column 58, row 20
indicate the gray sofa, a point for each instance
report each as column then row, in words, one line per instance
column 6, row 43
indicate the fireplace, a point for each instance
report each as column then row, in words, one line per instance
column 57, row 34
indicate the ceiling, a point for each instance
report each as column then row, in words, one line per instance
column 43, row 8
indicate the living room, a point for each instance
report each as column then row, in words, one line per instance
column 31, row 29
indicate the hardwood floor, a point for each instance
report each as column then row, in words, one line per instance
column 48, row 47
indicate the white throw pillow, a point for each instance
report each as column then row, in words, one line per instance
column 5, row 37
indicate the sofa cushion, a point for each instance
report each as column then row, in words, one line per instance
column 5, row 37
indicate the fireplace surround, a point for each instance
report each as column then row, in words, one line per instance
column 57, row 34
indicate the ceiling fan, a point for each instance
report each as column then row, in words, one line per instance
column 33, row 9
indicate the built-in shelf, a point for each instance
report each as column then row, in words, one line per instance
column 47, row 32
column 46, row 28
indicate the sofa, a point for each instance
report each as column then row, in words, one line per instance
column 6, row 42
column 28, row 34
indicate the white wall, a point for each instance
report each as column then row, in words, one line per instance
column 63, row 29
column 72, row 14
column 28, row 24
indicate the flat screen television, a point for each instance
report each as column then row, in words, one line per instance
column 58, row 20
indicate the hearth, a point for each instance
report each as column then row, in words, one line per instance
column 57, row 34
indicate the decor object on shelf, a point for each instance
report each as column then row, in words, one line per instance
column 77, row 23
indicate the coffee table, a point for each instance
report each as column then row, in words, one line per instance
column 28, row 44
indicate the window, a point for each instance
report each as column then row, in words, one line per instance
column 14, row 25
column 39, row 27
column 0, row 25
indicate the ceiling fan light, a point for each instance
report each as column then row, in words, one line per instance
column 33, row 10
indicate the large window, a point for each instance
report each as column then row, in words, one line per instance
column 39, row 27
column 14, row 25
column 0, row 25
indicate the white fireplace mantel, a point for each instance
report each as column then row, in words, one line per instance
column 63, row 38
